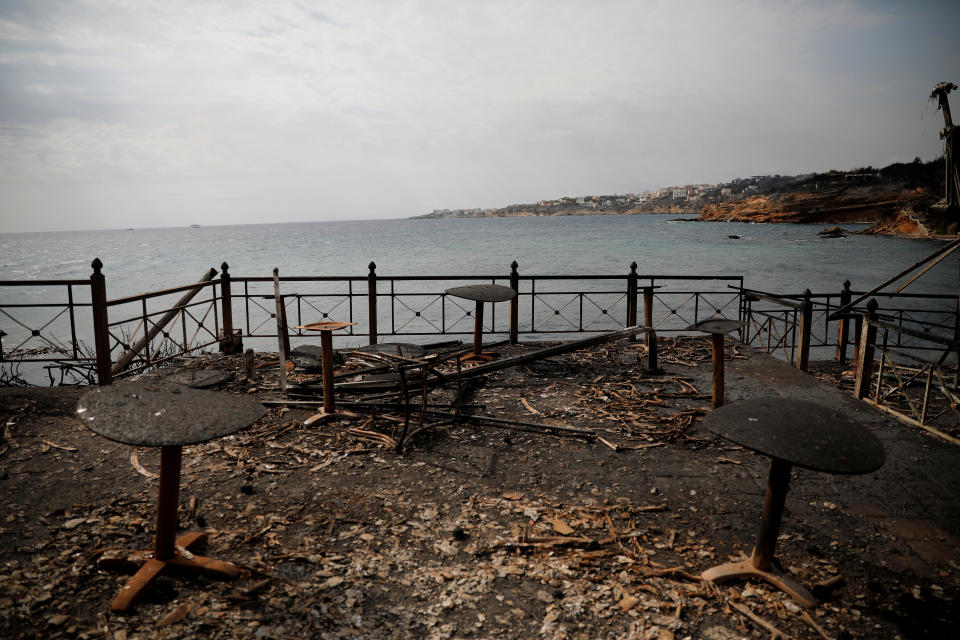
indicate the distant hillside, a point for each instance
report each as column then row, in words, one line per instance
column 833, row 196
column 896, row 199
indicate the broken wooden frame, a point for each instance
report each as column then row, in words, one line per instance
column 429, row 377
column 895, row 378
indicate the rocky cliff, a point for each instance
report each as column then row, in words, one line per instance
column 827, row 207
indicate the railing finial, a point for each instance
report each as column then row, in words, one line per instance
column 514, row 265
column 372, row 266
column 224, row 266
column 97, row 265
column 633, row 266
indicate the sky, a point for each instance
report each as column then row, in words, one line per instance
column 141, row 113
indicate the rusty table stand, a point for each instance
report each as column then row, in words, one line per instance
column 168, row 416
column 717, row 328
column 329, row 410
column 481, row 293
column 790, row 432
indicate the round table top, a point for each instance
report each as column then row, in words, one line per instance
column 802, row 433
column 326, row 325
column 155, row 414
column 716, row 325
column 483, row 292
column 404, row 349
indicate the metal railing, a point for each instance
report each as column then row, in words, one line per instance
column 917, row 390
column 137, row 332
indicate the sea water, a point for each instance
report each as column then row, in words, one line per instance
column 780, row 258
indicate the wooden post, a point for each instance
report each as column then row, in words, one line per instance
column 248, row 364
column 652, row 364
column 226, row 309
column 843, row 327
column 478, row 328
column 326, row 362
column 632, row 298
column 717, row 351
column 514, row 303
column 372, row 301
column 101, row 324
column 648, row 323
column 803, row 341
column 868, row 335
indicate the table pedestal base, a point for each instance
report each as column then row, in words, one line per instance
column 483, row 356
column 760, row 564
column 179, row 562
column 323, row 416
column 779, row 579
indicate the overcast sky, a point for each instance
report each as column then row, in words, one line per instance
column 136, row 113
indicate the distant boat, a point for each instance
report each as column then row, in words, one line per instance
column 194, row 226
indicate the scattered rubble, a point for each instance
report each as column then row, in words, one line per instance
column 475, row 530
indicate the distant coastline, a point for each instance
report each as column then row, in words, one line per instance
column 897, row 200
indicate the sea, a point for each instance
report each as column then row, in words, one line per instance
column 779, row 258
column 782, row 259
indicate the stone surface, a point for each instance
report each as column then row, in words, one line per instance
column 150, row 414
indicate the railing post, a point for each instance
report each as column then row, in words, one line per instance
column 632, row 299
column 101, row 323
column 226, row 310
column 868, row 335
column 803, row 341
column 514, row 303
column 372, row 301
column 843, row 327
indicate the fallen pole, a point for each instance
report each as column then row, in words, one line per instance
column 573, row 432
column 549, row 352
column 127, row 357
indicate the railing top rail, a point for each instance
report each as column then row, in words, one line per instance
column 499, row 276
column 920, row 335
column 43, row 305
column 768, row 297
column 41, row 283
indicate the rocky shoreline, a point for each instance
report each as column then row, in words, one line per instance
column 902, row 212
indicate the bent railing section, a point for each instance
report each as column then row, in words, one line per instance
column 915, row 385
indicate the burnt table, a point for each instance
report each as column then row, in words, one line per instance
column 166, row 416
column 790, row 432
column 481, row 293
column 717, row 328
column 326, row 329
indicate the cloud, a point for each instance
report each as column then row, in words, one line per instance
column 394, row 108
